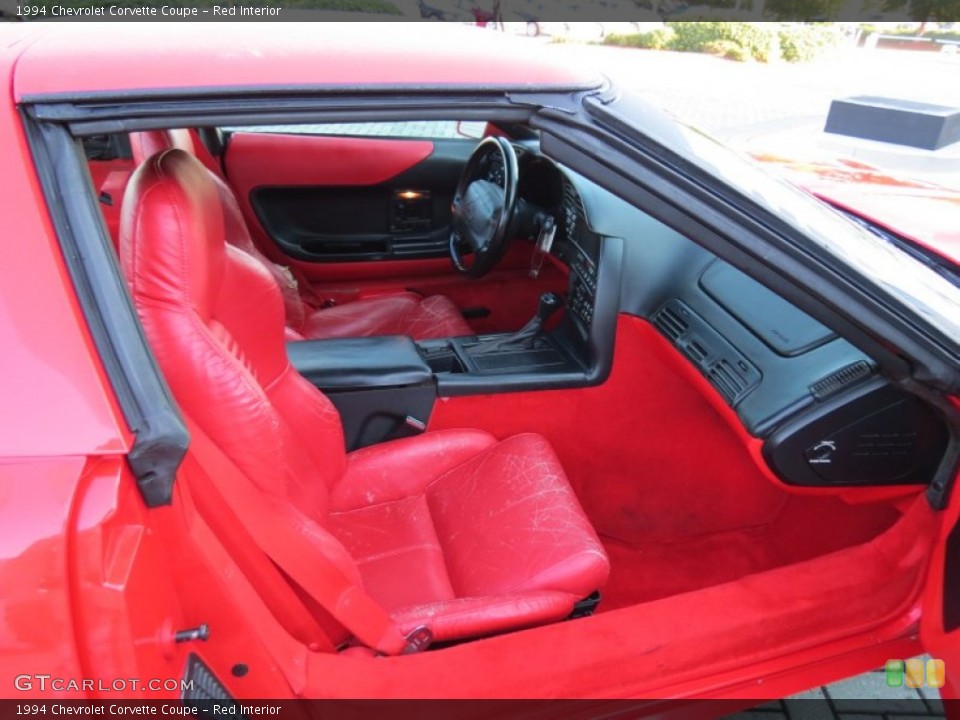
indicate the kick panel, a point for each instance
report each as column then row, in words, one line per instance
column 873, row 435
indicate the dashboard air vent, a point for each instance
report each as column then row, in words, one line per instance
column 727, row 380
column 696, row 351
column 724, row 366
column 670, row 323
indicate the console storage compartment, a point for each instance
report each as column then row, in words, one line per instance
column 543, row 356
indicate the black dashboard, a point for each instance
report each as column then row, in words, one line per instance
column 575, row 244
column 579, row 248
column 824, row 414
column 817, row 402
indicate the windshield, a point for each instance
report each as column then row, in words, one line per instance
column 917, row 287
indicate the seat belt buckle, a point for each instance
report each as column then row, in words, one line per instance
column 418, row 640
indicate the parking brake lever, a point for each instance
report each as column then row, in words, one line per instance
column 526, row 336
column 548, row 229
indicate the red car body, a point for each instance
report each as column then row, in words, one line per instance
column 919, row 210
column 95, row 583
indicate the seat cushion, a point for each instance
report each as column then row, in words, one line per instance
column 400, row 314
column 469, row 534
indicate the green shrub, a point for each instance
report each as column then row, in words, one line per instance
column 620, row 40
column 758, row 40
column 727, row 49
column 802, row 43
column 742, row 41
column 653, row 40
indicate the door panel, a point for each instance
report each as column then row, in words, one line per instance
column 255, row 159
column 345, row 199
column 356, row 224
column 940, row 621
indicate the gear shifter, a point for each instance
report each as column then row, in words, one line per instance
column 526, row 337
column 548, row 305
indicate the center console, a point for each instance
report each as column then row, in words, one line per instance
column 577, row 352
column 583, row 288
column 385, row 387
column 381, row 386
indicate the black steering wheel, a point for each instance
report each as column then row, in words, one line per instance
column 484, row 207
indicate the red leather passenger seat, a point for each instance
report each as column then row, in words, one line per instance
column 402, row 313
column 454, row 530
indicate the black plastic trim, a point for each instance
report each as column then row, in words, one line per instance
column 859, row 433
column 204, row 690
column 587, row 362
column 161, row 437
column 764, row 313
column 730, row 372
column 381, row 386
column 85, row 118
column 341, row 363
column 259, row 92
column 337, row 115
column 373, row 415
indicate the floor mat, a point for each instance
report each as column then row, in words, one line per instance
column 807, row 527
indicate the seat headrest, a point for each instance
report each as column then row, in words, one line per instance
column 147, row 143
column 172, row 242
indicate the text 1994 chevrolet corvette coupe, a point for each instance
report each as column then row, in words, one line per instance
column 341, row 369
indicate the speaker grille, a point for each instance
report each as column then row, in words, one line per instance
column 203, row 690
column 834, row 383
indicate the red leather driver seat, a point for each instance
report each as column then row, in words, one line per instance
column 454, row 530
column 403, row 313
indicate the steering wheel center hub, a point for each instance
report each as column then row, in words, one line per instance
column 482, row 206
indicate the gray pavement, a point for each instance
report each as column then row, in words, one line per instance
column 864, row 697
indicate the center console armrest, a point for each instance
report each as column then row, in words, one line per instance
column 368, row 362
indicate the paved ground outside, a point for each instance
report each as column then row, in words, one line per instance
column 865, row 697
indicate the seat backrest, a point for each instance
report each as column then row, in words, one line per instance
column 147, row 143
column 214, row 318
